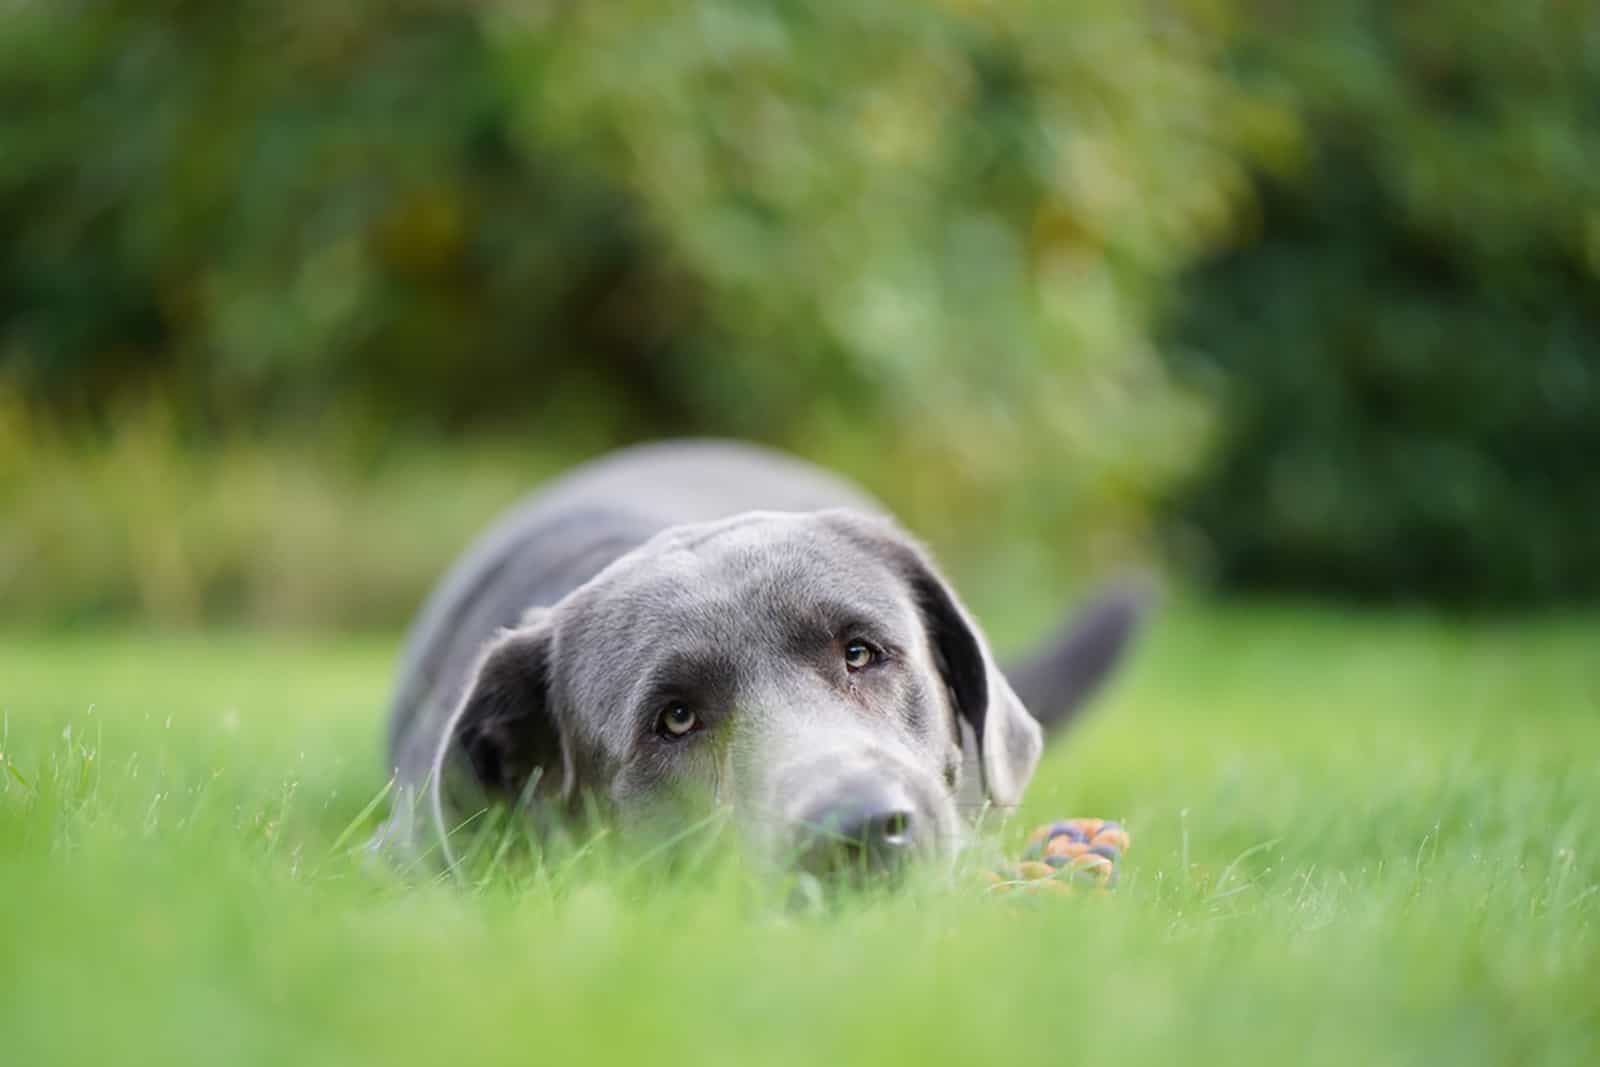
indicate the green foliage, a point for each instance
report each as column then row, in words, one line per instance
column 928, row 232
column 269, row 211
column 328, row 529
column 943, row 246
column 1398, row 865
column 1406, row 353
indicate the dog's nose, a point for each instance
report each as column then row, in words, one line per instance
column 864, row 830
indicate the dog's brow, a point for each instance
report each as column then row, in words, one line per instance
column 868, row 608
column 824, row 620
column 702, row 673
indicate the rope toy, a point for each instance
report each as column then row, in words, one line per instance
column 1063, row 857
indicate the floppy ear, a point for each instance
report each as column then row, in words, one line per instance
column 1009, row 740
column 504, row 730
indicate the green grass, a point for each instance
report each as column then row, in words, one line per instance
column 1356, row 841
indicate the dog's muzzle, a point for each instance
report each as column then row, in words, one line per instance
column 861, row 828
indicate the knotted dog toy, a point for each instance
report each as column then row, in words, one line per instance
column 1064, row 856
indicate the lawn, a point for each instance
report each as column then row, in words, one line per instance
column 1357, row 840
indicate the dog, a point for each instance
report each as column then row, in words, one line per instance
column 700, row 624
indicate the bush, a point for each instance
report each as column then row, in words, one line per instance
column 918, row 241
column 266, row 212
column 1406, row 352
column 319, row 530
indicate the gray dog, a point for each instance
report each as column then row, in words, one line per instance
column 638, row 637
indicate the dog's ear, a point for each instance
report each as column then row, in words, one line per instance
column 505, row 729
column 1008, row 738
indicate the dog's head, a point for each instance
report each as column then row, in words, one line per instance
column 812, row 671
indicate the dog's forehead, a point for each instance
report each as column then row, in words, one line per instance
column 723, row 580
column 777, row 549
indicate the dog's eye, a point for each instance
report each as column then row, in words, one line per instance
column 677, row 720
column 859, row 654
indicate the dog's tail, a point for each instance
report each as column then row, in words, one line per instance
column 1057, row 679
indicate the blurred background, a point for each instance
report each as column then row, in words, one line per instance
column 1296, row 298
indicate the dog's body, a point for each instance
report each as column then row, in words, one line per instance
column 704, row 622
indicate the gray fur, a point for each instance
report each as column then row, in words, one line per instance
column 729, row 578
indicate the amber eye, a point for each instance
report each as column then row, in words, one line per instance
column 859, row 654
column 677, row 720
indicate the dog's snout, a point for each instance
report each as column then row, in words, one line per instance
column 866, row 829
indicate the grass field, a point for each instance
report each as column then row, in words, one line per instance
column 1356, row 841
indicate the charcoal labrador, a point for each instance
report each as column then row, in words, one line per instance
column 700, row 624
